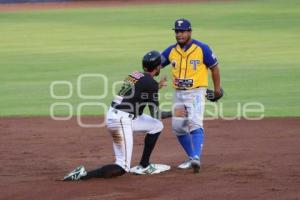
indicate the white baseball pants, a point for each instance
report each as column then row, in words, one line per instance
column 121, row 126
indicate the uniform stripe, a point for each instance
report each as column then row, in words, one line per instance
column 123, row 132
column 180, row 62
column 212, row 66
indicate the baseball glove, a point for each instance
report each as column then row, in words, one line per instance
column 211, row 96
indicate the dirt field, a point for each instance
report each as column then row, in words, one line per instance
column 241, row 160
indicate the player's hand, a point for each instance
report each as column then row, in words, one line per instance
column 214, row 95
column 163, row 82
column 180, row 112
column 218, row 92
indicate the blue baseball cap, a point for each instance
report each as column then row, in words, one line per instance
column 182, row 24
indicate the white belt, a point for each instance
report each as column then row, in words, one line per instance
column 121, row 113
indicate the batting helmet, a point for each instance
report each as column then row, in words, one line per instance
column 151, row 60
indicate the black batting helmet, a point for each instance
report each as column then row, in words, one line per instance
column 151, row 60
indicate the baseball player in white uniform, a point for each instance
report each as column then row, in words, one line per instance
column 126, row 116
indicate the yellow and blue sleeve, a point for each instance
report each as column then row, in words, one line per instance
column 165, row 55
column 209, row 57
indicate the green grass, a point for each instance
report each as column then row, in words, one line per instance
column 257, row 44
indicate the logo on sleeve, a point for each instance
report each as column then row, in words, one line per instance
column 213, row 56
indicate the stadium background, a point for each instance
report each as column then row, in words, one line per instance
column 257, row 43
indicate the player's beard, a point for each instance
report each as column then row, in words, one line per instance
column 157, row 72
column 185, row 42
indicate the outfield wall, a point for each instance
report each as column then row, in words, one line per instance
column 44, row 1
column 31, row 1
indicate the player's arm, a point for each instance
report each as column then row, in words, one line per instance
column 211, row 62
column 161, row 84
column 153, row 103
column 165, row 56
column 154, row 109
column 215, row 75
column 178, row 112
column 156, row 113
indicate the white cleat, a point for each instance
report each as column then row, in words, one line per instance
column 150, row 169
column 76, row 174
column 186, row 164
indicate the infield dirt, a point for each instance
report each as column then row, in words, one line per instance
column 241, row 160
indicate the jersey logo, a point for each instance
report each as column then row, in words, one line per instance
column 179, row 22
column 213, row 56
column 173, row 63
column 137, row 74
column 195, row 63
column 183, row 83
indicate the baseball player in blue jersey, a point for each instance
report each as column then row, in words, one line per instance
column 190, row 62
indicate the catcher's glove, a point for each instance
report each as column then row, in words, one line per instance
column 211, row 96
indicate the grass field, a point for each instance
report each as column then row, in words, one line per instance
column 257, row 44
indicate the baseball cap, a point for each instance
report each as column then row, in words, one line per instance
column 182, row 24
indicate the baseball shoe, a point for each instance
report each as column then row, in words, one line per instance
column 196, row 164
column 186, row 164
column 76, row 174
column 150, row 169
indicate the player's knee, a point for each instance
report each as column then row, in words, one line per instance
column 157, row 127
column 160, row 126
column 180, row 126
column 179, row 130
